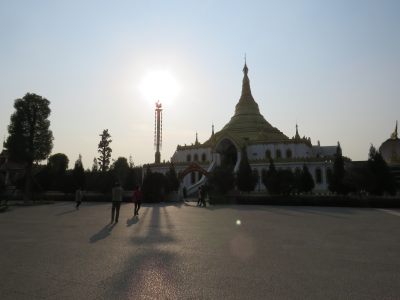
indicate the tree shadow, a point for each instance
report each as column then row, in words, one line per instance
column 102, row 234
column 170, row 225
column 151, row 272
column 154, row 235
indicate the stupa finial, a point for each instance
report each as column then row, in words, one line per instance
column 394, row 135
column 245, row 68
column 297, row 136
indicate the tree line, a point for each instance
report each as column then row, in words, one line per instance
column 30, row 141
column 370, row 177
column 223, row 179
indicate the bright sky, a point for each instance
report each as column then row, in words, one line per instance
column 331, row 66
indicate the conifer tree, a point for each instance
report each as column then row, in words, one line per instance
column 307, row 182
column 105, row 151
column 336, row 181
column 78, row 173
column 245, row 180
column 221, row 180
column 172, row 179
column 270, row 178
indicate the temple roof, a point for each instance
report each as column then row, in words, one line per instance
column 247, row 124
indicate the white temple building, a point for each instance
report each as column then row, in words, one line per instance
column 248, row 128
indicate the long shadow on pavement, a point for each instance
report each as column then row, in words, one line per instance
column 151, row 273
column 154, row 235
column 102, row 234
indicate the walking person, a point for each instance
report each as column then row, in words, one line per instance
column 78, row 198
column 199, row 196
column 116, row 202
column 138, row 198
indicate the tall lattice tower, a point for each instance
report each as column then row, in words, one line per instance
column 158, row 131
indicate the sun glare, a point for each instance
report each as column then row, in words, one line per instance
column 159, row 85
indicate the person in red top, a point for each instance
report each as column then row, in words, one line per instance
column 137, row 199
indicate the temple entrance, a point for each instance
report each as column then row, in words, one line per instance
column 228, row 153
column 192, row 169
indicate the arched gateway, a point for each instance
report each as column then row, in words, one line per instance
column 193, row 167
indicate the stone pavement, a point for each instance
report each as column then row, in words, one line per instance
column 186, row 252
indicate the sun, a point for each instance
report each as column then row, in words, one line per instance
column 159, row 85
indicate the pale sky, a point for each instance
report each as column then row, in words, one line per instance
column 331, row 66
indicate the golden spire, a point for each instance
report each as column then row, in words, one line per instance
column 246, row 104
column 394, row 135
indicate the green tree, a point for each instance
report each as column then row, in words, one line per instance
column 278, row 181
column 172, row 181
column 133, row 178
column 383, row 180
column 120, row 168
column 104, row 150
column 336, row 184
column 306, row 181
column 153, row 186
column 359, row 177
column 58, row 163
column 78, row 173
column 245, row 181
column 67, row 183
column 285, row 182
column 221, row 180
column 270, row 178
column 104, row 182
column 30, row 139
column 297, row 180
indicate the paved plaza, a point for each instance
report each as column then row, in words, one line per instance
column 186, row 252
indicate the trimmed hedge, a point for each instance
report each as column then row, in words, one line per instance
column 338, row 201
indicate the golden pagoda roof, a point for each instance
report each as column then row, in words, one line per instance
column 247, row 124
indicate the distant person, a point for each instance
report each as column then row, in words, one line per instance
column 200, row 195
column 116, row 202
column 203, row 197
column 137, row 199
column 78, row 198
